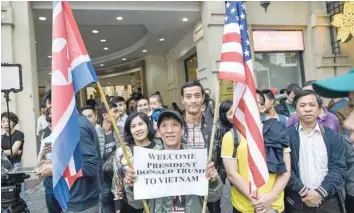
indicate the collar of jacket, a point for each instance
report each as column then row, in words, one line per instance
column 161, row 147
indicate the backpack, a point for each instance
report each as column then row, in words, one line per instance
column 236, row 137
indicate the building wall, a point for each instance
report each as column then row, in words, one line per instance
column 174, row 60
column 156, row 76
column 17, row 34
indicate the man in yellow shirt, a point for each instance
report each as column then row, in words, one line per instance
column 235, row 158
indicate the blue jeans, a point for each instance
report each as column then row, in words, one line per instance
column 106, row 199
column 52, row 204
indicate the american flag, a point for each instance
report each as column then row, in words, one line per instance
column 236, row 65
column 71, row 70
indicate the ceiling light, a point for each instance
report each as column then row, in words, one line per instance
column 42, row 18
column 109, row 82
column 95, row 31
column 185, row 19
column 124, row 59
column 144, row 51
column 105, row 48
column 161, row 39
column 50, row 73
column 101, row 65
column 49, row 56
column 103, row 40
column 119, row 18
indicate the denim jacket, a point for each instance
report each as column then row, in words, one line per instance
column 336, row 166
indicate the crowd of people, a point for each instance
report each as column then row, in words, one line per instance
column 309, row 152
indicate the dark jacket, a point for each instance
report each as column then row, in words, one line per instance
column 207, row 128
column 336, row 166
column 349, row 156
column 85, row 191
column 282, row 109
column 275, row 140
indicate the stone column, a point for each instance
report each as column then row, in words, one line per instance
column 18, row 42
column 208, row 38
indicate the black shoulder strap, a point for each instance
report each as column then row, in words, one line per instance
column 235, row 135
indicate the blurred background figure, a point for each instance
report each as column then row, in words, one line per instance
column 17, row 139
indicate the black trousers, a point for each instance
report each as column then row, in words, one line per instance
column 349, row 203
column 214, row 207
column 329, row 205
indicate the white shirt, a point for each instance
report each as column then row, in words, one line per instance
column 41, row 124
column 44, row 141
column 313, row 159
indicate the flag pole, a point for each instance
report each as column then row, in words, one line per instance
column 125, row 153
column 211, row 146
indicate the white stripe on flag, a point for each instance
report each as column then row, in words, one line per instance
column 231, row 47
column 78, row 60
column 257, row 156
column 231, row 28
column 71, row 165
column 252, row 108
column 63, row 120
column 59, row 79
column 57, row 9
column 249, row 63
column 234, row 67
column 67, row 182
column 58, row 44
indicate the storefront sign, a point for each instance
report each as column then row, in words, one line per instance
column 278, row 41
column 163, row 173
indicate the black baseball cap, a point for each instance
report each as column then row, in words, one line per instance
column 169, row 114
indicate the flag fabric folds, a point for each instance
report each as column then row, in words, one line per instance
column 71, row 71
column 236, row 66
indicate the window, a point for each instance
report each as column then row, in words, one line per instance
column 333, row 8
column 278, row 69
column 290, row 59
column 191, row 66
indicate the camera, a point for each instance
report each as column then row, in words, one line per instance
column 11, row 180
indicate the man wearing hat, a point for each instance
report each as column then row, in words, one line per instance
column 337, row 87
column 170, row 128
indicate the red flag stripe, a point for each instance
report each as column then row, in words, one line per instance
column 232, row 37
column 231, row 57
column 71, row 180
column 257, row 176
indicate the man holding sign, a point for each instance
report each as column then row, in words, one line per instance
column 173, row 167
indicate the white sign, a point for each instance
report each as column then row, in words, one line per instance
column 163, row 173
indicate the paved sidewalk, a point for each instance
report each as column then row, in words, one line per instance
column 35, row 199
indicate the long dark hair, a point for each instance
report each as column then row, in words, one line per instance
column 128, row 137
column 225, row 106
